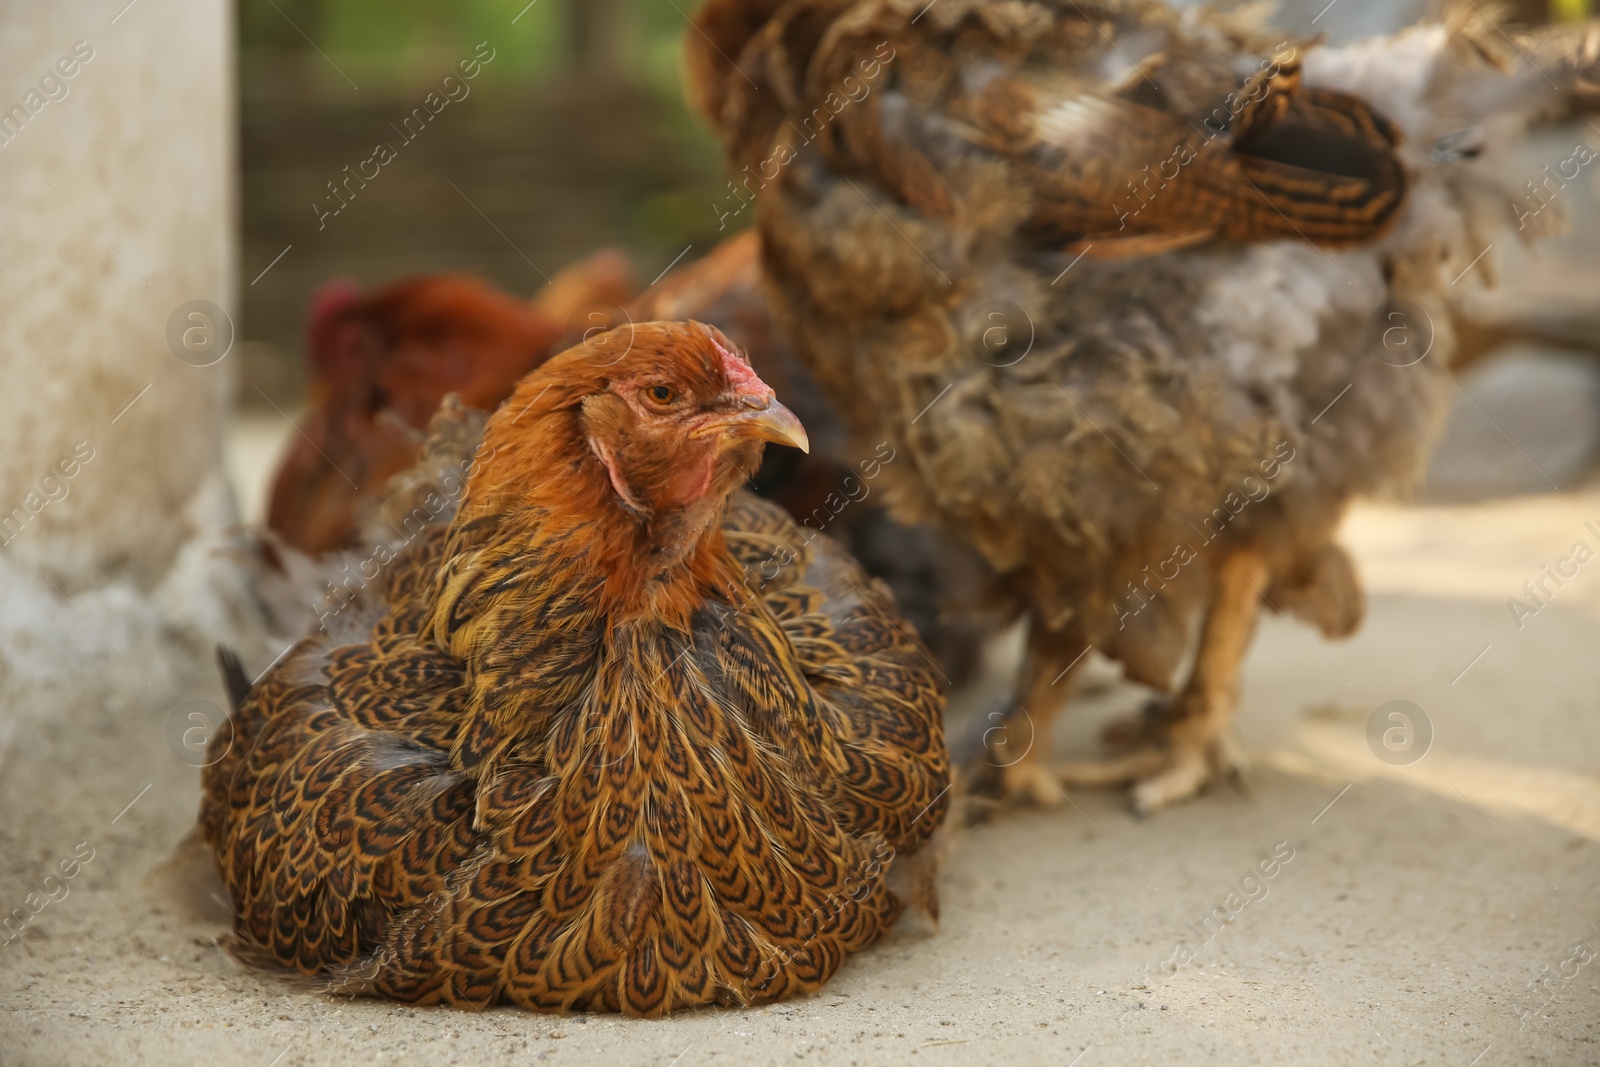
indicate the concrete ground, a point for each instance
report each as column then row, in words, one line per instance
column 1439, row 911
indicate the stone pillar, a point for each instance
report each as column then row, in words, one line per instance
column 118, row 224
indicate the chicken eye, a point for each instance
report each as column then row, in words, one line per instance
column 661, row 394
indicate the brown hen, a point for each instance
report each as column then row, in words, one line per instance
column 570, row 758
column 1144, row 297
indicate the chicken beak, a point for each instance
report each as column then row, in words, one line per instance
column 774, row 423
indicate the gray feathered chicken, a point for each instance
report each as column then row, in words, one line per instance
column 1143, row 298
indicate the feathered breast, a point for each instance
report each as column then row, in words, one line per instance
column 498, row 794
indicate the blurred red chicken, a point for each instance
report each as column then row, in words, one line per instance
column 380, row 364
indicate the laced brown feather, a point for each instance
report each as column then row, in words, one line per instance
column 580, row 758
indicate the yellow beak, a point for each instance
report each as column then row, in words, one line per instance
column 774, row 423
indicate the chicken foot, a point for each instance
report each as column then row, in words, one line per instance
column 1198, row 741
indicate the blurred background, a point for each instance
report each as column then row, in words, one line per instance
column 572, row 137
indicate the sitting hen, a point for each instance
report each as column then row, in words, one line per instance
column 569, row 758
column 1140, row 295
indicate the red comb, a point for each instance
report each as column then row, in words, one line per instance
column 740, row 376
column 329, row 302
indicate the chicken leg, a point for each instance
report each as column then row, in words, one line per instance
column 1199, row 740
column 1019, row 748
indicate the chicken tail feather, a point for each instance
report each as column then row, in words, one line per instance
column 234, row 678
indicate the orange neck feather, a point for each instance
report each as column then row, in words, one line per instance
column 536, row 476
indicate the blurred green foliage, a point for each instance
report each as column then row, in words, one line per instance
column 575, row 137
column 396, row 42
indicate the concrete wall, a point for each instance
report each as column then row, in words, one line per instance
column 117, row 209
